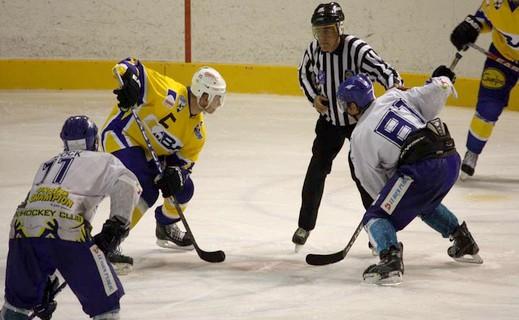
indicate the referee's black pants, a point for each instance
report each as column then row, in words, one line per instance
column 328, row 142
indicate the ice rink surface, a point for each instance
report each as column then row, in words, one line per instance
column 248, row 183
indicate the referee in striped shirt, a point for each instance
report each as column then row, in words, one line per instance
column 327, row 61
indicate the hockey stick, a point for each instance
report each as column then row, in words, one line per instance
column 454, row 62
column 53, row 295
column 496, row 58
column 324, row 259
column 209, row 256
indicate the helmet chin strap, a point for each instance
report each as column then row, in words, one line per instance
column 204, row 109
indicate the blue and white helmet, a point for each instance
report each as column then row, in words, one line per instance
column 357, row 89
column 79, row 133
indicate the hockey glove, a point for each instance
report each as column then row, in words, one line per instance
column 444, row 71
column 48, row 305
column 171, row 181
column 128, row 94
column 466, row 32
column 113, row 233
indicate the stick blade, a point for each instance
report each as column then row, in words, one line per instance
column 324, row 259
column 212, row 256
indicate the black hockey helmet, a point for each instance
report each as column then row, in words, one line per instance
column 327, row 13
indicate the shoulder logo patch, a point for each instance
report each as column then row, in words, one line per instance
column 198, row 130
column 171, row 96
column 181, row 103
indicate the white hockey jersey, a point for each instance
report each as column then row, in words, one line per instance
column 66, row 192
column 382, row 129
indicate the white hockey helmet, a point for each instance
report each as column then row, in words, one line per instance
column 208, row 80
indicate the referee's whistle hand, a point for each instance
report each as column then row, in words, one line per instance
column 321, row 104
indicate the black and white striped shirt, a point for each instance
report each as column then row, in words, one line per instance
column 321, row 73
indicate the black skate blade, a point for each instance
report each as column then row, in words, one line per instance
column 324, row 259
column 468, row 258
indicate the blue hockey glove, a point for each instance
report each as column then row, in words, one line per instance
column 171, row 181
column 113, row 233
column 128, row 94
column 466, row 32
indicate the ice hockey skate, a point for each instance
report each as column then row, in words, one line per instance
column 171, row 237
column 121, row 263
column 468, row 165
column 464, row 249
column 390, row 269
column 299, row 238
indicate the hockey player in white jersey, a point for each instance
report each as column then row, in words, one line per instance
column 50, row 230
column 405, row 159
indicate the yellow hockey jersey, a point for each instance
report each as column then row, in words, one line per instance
column 164, row 109
column 502, row 18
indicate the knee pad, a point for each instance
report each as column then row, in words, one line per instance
column 110, row 315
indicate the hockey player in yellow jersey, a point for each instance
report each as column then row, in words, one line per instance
column 174, row 122
column 501, row 17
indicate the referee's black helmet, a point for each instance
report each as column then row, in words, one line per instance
column 327, row 13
